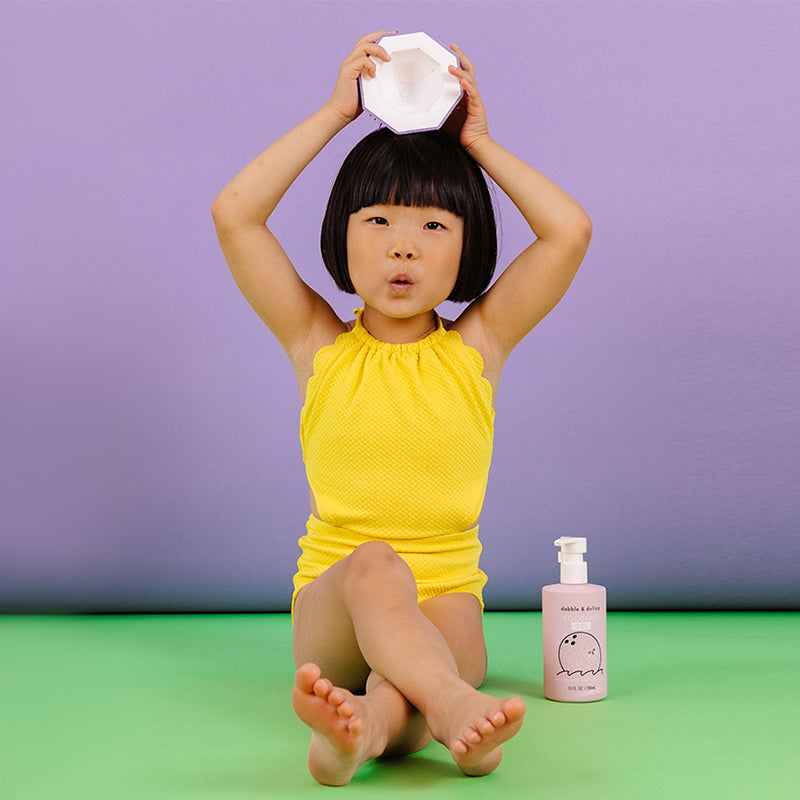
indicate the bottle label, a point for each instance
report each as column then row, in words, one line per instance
column 579, row 652
column 574, row 633
column 580, row 618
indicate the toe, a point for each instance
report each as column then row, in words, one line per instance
column 486, row 726
column 336, row 696
column 514, row 709
column 306, row 677
column 498, row 718
column 459, row 748
column 355, row 726
column 345, row 710
column 472, row 735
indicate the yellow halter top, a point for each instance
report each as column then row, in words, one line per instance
column 397, row 443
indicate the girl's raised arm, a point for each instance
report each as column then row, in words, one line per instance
column 292, row 310
column 537, row 279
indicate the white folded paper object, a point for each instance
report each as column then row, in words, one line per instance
column 414, row 91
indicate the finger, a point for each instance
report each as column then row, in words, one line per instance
column 377, row 50
column 359, row 65
column 465, row 63
column 467, row 81
column 373, row 37
column 370, row 41
column 364, row 51
column 369, row 68
column 461, row 74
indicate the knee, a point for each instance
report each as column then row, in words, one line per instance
column 375, row 559
column 375, row 566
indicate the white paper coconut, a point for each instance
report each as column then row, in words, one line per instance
column 414, row 91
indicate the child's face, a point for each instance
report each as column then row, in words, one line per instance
column 404, row 261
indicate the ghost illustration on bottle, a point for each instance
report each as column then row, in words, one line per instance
column 580, row 653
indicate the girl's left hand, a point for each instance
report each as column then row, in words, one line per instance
column 475, row 126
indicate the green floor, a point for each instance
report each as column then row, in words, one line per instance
column 156, row 707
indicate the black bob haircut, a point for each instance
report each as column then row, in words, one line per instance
column 414, row 169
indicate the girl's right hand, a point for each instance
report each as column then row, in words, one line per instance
column 346, row 99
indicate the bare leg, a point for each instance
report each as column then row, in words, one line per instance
column 363, row 614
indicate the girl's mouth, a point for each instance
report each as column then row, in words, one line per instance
column 401, row 285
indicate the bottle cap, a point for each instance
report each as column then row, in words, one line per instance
column 570, row 556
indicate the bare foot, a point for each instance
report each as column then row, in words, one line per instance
column 490, row 722
column 339, row 742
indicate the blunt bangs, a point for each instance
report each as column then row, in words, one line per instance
column 409, row 170
column 414, row 169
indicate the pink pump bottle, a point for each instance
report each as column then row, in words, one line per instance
column 574, row 630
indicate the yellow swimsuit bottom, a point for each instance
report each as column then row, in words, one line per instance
column 440, row 564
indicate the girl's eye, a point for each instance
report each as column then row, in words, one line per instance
column 434, row 226
column 378, row 220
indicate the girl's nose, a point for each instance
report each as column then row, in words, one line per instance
column 403, row 249
column 402, row 245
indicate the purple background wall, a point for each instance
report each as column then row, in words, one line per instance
column 150, row 457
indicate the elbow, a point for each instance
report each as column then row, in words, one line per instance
column 231, row 212
column 219, row 209
column 581, row 232
column 573, row 230
column 584, row 228
column 577, row 235
column 224, row 214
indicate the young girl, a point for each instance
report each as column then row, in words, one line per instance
column 397, row 420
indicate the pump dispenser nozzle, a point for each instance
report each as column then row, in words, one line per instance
column 570, row 556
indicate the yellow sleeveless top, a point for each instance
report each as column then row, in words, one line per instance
column 397, row 443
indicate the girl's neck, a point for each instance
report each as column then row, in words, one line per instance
column 394, row 330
